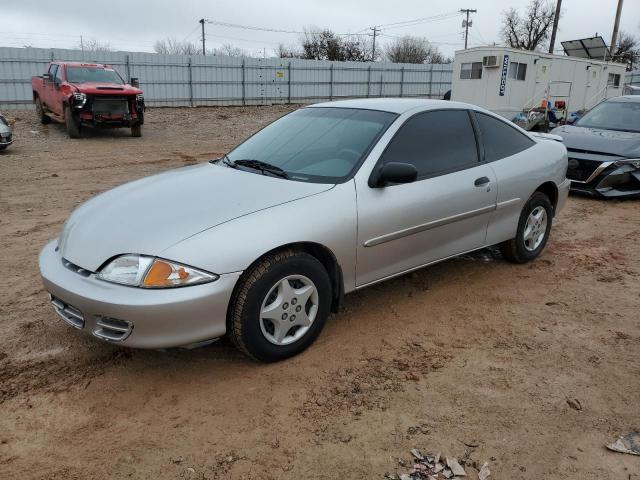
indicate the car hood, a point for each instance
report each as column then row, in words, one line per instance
column 149, row 215
column 612, row 142
column 96, row 88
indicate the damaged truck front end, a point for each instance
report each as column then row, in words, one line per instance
column 109, row 111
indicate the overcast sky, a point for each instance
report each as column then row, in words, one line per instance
column 135, row 25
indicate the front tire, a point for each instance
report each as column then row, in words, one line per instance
column 73, row 129
column 533, row 231
column 43, row 117
column 280, row 306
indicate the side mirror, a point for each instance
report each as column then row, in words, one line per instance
column 46, row 77
column 135, row 82
column 393, row 172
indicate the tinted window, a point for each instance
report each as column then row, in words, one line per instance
column 500, row 139
column 316, row 144
column 435, row 142
column 59, row 75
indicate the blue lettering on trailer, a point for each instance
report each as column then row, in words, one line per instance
column 503, row 77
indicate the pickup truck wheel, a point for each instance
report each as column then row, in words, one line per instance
column 136, row 131
column 280, row 306
column 533, row 232
column 73, row 129
column 44, row 118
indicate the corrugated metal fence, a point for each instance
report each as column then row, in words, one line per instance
column 632, row 78
column 178, row 80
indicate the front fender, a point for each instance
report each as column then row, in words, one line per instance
column 328, row 218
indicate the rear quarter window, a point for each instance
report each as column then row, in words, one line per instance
column 500, row 139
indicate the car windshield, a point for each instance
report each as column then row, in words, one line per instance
column 321, row 145
column 624, row 116
column 92, row 74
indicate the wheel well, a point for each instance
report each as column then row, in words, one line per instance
column 551, row 191
column 326, row 257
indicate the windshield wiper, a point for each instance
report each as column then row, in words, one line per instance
column 263, row 167
column 224, row 159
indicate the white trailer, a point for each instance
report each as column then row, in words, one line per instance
column 508, row 81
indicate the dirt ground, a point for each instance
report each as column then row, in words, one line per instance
column 473, row 355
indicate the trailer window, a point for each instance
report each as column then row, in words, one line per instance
column 471, row 70
column 614, row 80
column 517, row 71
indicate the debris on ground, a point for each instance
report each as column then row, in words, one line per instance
column 628, row 443
column 484, row 472
column 574, row 403
column 426, row 466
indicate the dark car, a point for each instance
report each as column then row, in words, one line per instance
column 604, row 149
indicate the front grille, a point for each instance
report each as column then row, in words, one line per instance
column 75, row 268
column 110, row 105
column 68, row 313
column 112, row 329
column 581, row 170
column 5, row 137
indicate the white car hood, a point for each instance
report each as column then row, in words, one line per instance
column 149, row 215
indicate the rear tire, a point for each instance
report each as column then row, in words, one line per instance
column 533, row 231
column 73, row 129
column 280, row 306
column 136, row 131
column 44, row 118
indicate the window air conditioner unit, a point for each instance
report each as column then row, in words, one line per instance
column 490, row 61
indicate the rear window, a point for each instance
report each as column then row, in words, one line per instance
column 500, row 139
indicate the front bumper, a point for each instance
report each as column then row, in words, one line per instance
column 136, row 317
column 596, row 177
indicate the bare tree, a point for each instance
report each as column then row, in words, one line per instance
column 410, row 49
column 230, row 51
column 172, row 46
column 93, row 45
column 531, row 31
column 627, row 49
column 284, row 51
column 325, row 45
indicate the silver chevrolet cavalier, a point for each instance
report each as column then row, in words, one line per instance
column 263, row 243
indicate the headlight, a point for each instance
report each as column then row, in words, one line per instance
column 79, row 99
column 139, row 99
column 148, row 272
column 635, row 162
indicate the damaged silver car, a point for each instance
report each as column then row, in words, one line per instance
column 6, row 135
column 604, row 149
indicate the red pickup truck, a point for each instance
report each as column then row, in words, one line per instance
column 87, row 95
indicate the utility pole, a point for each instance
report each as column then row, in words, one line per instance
column 466, row 24
column 616, row 24
column 373, row 53
column 556, row 18
column 204, row 51
column 81, row 44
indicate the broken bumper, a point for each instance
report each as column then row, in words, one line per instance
column 605, row 178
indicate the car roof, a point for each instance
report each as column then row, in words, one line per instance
column 394, row 105
column 82, row 64
column 625, row 98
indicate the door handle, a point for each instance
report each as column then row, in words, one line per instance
column 481, row 182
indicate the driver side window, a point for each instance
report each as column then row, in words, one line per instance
column 435, row 142
column 58, row 77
